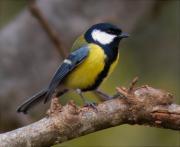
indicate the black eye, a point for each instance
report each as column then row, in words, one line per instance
column 110, row 31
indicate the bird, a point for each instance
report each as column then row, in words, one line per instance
column 95, row 55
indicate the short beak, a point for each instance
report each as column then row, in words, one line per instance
column 123, row 35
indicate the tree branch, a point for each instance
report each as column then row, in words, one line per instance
column 144, row 106
column 47, row 28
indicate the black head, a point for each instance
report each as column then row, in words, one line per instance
column 105, row 34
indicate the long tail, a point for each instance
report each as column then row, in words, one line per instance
column 32, row 101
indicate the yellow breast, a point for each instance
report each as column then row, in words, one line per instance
column 85, row 74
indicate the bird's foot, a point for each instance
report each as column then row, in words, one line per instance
column 106, row 97
column 91, row 105
column 118, row 95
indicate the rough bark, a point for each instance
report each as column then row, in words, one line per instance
column 144, row 106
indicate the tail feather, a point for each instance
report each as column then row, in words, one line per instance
column 32, row 101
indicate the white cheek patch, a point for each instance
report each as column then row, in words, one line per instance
column 102, row 37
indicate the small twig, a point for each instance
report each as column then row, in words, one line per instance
column 133, row 83
column 45, row 25
column 55, row 107
column 122, row 91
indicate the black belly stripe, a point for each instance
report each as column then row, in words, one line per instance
column 103, row 74
column 99, row 78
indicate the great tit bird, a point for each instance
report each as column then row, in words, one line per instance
column 94, row 57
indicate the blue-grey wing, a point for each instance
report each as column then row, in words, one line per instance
column 74, row 59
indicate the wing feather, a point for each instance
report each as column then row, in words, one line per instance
column 74, row 59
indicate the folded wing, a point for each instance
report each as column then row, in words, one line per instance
column 72, row 61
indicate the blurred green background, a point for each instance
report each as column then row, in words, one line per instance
column 28, row 59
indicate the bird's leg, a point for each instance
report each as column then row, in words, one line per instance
column 86, row 103
column 106, row 97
